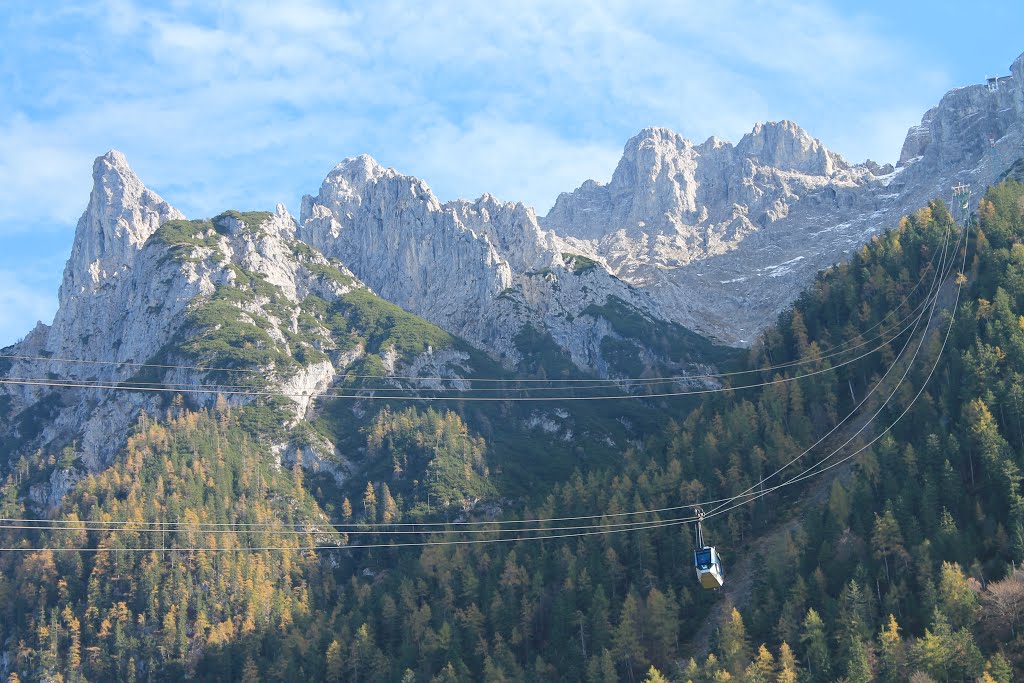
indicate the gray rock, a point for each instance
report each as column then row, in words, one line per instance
column 481, row 270
column 724, row 238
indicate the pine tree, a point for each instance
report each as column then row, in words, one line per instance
column 369, row 501
column 733, row 645
column 655, row 676
column 891, row 652
column 957, row 598
column 388, row 506
column 787, row 665
column 661, row 626
column 816, row 654
column 999, row 668
column 887, row 540
column 601, row 668
column 335, row 664
column 627, row 634
column 250, row 672
column 762, row 669
column 858, row 666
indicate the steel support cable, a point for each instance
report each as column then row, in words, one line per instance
column 750, row 495
column 565, row 385
column 346, row 528
column 625, row 383
column 420, row 544
column 162, row 527
column 408, row 395
column 629, row 526
column 933, row 297
column 236, row 529
column 88, row 525
column 604, row 530
column 83, row 526
column 810, row 472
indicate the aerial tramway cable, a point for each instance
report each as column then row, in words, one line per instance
column 816, row 468
column 934, row 300
column 603, row 528
column 384, row 528
column 415, row 395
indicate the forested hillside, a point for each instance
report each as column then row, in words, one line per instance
column 898, row 563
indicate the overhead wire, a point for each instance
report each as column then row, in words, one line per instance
column 414, row 395
column 603, row 528
column 185, row 527
column 934, row 299
column 545, row 532
column 343, row 528
column 564, row 384
column 817, row 467
column 417, row 544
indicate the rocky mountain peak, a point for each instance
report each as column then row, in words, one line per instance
column 652, row 154
column 977, row 128
column 359, row 170
column 113, row 159
column 788, row 147
column 655, row 138
column 121, row 215
column 357, row 180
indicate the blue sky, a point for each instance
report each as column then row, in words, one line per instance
column 242, row 105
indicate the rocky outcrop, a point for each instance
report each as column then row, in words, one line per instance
column 393, row 233
column 135, row 290
column 482, row 270
column 715, row 237
column 122, row 214
column 724, row 237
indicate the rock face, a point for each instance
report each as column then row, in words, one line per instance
column 715, row 237
column 139, row 287
column 724, row 237
column 482, row 270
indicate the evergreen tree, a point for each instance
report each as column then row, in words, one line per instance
column 655, row 676
column 816, row 654
column 858, row 668
column 891, row 652
column 787, row 665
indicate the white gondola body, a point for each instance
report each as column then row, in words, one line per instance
column 709, row 568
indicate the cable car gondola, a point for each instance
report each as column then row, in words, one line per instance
column 706, row 560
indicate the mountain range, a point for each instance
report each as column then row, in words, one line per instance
column 706, row 244
column 386, row 349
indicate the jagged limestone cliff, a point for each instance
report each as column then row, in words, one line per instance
column 724, row 237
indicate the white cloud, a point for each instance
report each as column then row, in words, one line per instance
column 242, row 105
column 189, row 92
column 41, row 177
